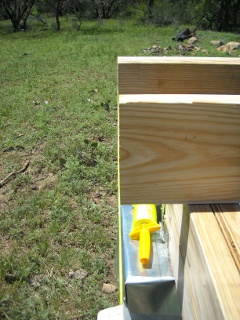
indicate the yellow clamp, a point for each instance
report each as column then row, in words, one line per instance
column 144, row 223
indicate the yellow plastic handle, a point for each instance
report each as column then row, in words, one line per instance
column 144, row 245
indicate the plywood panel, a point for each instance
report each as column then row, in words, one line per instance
column 188, row 75
column 179, row 148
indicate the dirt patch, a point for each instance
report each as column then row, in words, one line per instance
column 99, row 196
column 44, row 181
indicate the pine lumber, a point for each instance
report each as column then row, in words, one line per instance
column 207, row 278
column 179, row 142
column 228, row 218
column 177, row 250
column 179, row 148
column 184, row 75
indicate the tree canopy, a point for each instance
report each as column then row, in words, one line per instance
column 221, row 15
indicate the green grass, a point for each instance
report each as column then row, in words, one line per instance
column 58, row 109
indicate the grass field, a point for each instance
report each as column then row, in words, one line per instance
column 58, row 168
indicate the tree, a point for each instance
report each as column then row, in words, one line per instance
column 220, row 15
column 57, row 7
column 164, row 12
column 105, row 9
column 236, row 12
column 17, row 11
column 150, row 8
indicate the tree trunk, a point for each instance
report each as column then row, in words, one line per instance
column 236, row 12
column 15, row 24
column 17, row 12
column 26, row 14
column 150, row 8
column 112, row 7
column 58, row 21
column 224, row 16
column 58, row 6
column 103, row 10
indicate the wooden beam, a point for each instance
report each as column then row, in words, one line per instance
column 177, row 249
column 208, row 281
column 188, row 75
column 179, row 148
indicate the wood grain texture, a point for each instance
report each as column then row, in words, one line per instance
column 179, row 148
column 188, row 75
column 177, row 249
column 228, row 218
column 232, row 216
column 208, row 277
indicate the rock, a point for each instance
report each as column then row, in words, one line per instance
column 36, row 280
column 71, row 274
column 197, row 48
column 186, row 47
column 78, row 274
column 217, row 43
column 229, row 47
column 167, row 48
column 155, row 49
column 234, row 45
column 108, row 288
column 192, row 40
column 205, row 51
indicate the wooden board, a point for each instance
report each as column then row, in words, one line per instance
column 179, row 148
column 228, row 218
column 208, row 281
column 177, row 248
column 188, row 75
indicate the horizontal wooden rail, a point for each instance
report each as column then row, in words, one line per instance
column 188, row 75
column 179, row 148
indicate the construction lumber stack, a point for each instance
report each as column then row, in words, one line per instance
column 178, row 75
column 179, row 144
column 204, row 246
